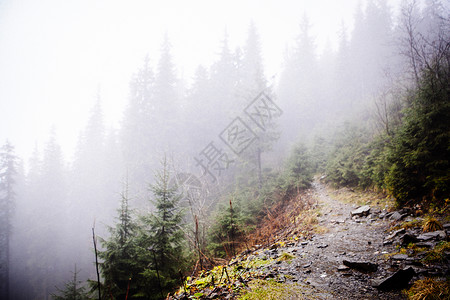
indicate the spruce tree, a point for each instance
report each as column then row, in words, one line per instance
column 421, row 148
column 139, row 131
column 73, row 290
column 7, row 196
column 119, row 267
column 162, row 234
column 420, row 156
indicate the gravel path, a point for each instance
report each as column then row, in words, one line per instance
column 318, row 262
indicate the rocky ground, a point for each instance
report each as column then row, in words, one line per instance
column 357, row 254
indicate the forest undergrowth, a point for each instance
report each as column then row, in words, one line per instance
column 283, row 224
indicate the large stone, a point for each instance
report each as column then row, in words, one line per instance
column 397, row 281
column 408, row 238
column 426, row 244
column 400, row 256
column 361, row 211
column 365, row 267
column 396, row 216
column 434, row 235
column 395, row 233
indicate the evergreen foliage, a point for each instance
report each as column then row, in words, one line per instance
column 420, row 156
column 346, row 161
column 226, row 231
column 160, row 240
column 8, row 172
column 299, row 170
column 249, row 201
column 73, row 290
column 120, row 265
column 410, row 158
column 143, row 258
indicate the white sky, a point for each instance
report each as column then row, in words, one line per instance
column 54, row 54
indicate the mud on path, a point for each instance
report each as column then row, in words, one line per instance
column 318, row 262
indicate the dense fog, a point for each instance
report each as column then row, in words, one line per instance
column 230, row 118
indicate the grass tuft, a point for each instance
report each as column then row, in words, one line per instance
column 429, row 289
column 431, row 224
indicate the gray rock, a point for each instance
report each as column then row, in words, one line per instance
column 394, row 234
column 361, row 211
column 426, row 244
column 400, row 256
column 408, row 238
column 387, row 242
column 414, row 262
column 343, row 268
column 322, row 246
column 375, row 211
column 397, row 281
column 435, row 235
column 396, row 216
column 388, row 215
column 365, row 267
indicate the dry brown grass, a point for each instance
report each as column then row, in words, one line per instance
column 431, row 224
column 285, row 219
column 360, row 197
column 321, row 229
column 429, row 289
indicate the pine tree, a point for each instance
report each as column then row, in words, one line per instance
column 73, row 290
column 162, row 234
column 120, row 268
column 253, row 86
column 420, row 149
column 49, row 265
column 224, row 80
column 140, row 129
column 420, row 156
column 167, row 103
column 94, row 178
column 369, row 49
column 299, row 170
column 8, row 172
column 201, row 112
column 298, row 88
column 226, row 231
column 251, row 72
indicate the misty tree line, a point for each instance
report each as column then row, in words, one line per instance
column 56, row 203
column 403, row 149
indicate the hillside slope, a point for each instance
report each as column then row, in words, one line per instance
column 346, row 253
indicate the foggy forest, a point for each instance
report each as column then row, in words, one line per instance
column 193, row 164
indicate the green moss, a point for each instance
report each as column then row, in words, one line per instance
column 437, row 255
column 271, row 290
column 286, row 256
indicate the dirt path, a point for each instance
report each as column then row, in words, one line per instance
column 312, row 268
column 318, row 262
